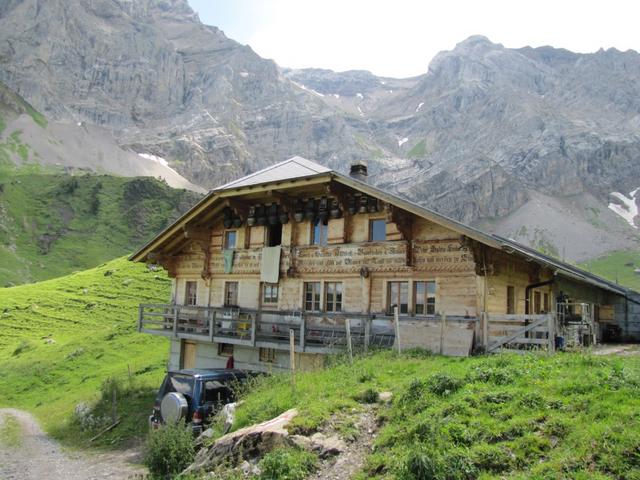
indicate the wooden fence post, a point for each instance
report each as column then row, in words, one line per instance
column 367, row 333
column 443, row 321
column 292, row 355
column 302, row 332
column 396, row 322
column 347, row 326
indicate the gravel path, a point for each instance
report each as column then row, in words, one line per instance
column 39, row 457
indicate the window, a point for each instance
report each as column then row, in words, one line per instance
column 216, row 392
column 312, row 296
column 274, row 235
column 191, row 293
column 511, row 300
column 319, row 232
column 225, row 350
column 230, row 239
column 398, row 294
column 536, row 302
column 424, row 294
column 231, row 294
column 270, row 294
column 333, row 296
column 267, row 355
column 546, row 303
column 378, row 230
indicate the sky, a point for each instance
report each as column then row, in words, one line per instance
column 398, row 38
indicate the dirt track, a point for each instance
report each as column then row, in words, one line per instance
column 39, row 457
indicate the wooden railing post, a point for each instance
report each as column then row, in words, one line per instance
column 367, row 333
column 140, row 315
column 551, row 333
column 212, row 324
column 254, row 325
column 485, row 329
column 175, row 320
column 302, row 332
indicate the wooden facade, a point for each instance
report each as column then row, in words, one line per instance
column 365, row 252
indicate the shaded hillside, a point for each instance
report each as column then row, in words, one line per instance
column 61, row 339
column 52, row 223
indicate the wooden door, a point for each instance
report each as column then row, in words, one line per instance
column 188, row 355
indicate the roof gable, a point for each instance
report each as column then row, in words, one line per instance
column 295, row 167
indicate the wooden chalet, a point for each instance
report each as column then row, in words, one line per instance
column 300, row 247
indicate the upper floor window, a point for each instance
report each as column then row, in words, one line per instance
column 378, row 230
column 269, row 294
column 398, row 294
column 424, row 298
column 312, row 296
column 273, row 235
column 319, row 232
column 230, row 239
column 231, row 294
column 333, row 296
column 191, row 293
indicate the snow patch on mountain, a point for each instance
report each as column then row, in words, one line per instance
column 419, row 107
column 402, row 141
column 628, row 209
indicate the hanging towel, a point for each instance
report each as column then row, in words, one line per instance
column 227, row 255
column 270, row 267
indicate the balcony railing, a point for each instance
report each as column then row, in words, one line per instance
column 314, row 332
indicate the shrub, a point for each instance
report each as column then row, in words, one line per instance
column 287, row 464
column 368, row 396
column 414, row 392
column 169, row 450
column 492, row 458
column 443, row 384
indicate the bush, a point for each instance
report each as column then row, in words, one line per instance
column 443, row 384
column 169, row 450
column 368, row 396
column 287, row 464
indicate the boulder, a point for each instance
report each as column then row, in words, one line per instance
column 385, row 397
column 244, row 444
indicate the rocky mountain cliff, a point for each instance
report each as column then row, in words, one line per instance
column 506, row 138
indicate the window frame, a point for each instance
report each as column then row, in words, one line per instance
column 222, row 349
column 191, row 298
column 372, row 221
column 334, row 305
column 263, row 294
column 426, row 296
column 226, row 302
column 316, row 297
column 225, row 241
column 397, row 301
column 323, row 233
column 545, row 302
column 267, row 355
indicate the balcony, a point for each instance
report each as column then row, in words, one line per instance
column 313, row 332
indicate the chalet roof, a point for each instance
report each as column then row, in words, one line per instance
column 298, row 168
column 295, row 167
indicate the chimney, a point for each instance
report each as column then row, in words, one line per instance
column 359, row 171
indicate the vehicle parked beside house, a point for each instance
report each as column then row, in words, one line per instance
column 194, row 395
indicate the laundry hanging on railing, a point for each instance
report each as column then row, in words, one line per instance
column 270, row 265
column 227, row 256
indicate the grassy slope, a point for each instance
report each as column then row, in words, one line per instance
column 617, row 267
column 52, row 224
column 566, row 416
column 60, row 339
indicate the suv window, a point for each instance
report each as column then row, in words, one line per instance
column 179, row 383
column 216, row 392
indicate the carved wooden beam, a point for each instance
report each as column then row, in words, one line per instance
column 240, row 207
